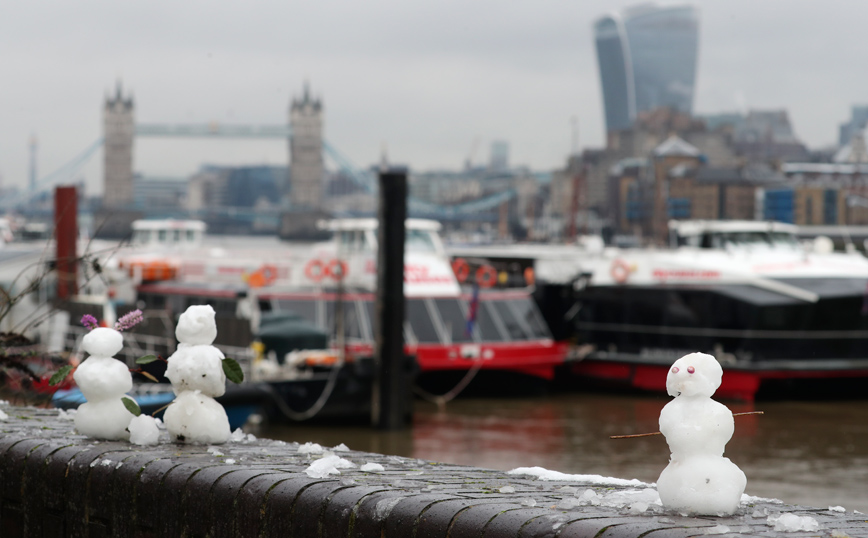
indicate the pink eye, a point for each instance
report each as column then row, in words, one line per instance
column 690, row 369
column 674, row 369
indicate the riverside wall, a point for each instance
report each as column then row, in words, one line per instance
column 56, row 483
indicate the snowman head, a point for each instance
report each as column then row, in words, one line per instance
column 196, row 326
column 697, row 374
column 102, row 342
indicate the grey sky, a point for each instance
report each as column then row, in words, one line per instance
column 424, row 78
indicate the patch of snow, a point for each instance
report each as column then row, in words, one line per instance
column 341, row 448
column 793, row 523
column 229, row 461
column 597, row 480
column 717, row 529
column 507, row 489
column 214, row 451
column 310, row 448
column 144, row 431
column 3, row 415
column 239, row 436
column 347, row 481
column 567, row 489
column 63, row 414
column 4, row 402
column 372, row 467
column 119, row 465
column 528, row 502
column 384, row 507
column 750, row 499
column 837, row 509
column 568, row 503
column 327, row 465
column 839, row 534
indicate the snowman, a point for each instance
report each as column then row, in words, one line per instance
column 103, row 381
column 698, row 479
column 196, row 373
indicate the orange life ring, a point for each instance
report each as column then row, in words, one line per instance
column 461, row 269
column 264, row 276
column 529, row 276
column 486, row 276
column 620, row 271
column 315, row 270
column 336, row 269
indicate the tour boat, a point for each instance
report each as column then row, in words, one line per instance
column 776, row 313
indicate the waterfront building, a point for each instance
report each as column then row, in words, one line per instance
column 499, row 155
column 647, row 58
column 305, row 152
column 857, row 123
column 118, row 133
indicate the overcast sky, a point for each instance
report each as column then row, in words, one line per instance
column 432, row 81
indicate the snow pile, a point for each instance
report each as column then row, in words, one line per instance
column 196, row 373
column 341, row 448
column 596, row 480
column 3, row 415
column 328, row 465
column 103, row 381
column 239, row 436
column 144, row 431
column 63, row 414
column 793, row 523
column 698, row 479
column 837, row 509
column 372, row 467
column 310, row 448
column 507, row 489
column 717, row 529
column 634, row 501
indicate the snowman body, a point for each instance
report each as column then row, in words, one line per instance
column 196, row 373
column 698, row 479
column 103, row 381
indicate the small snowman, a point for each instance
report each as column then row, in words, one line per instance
column 103, row 381
column 698, row 479
column 196, row 373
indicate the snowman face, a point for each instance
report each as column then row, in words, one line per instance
column 697, row 374
column 102, row 342
column 196, row 325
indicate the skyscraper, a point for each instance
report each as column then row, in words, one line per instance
column 647, row 59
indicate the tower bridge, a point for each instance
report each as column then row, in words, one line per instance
column 306, row 148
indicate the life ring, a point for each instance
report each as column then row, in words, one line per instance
column 336, row 269
column 486, row 276
column 620, row 271
column 461, row 269
column 529, row 276
column 264, row 276
column 315, row 270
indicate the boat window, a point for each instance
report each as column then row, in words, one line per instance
column 176, row 236
column 486, row 321
column 161, row 235
column 527, row 313
column 191, row 236
column 454, row 320
column 419, row 241
column 305, row 309
column 510, row 322
column 421, row 322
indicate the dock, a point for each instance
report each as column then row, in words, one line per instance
column 54, row 482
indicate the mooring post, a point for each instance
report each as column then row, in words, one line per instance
column 390, row 405
column 66, row 237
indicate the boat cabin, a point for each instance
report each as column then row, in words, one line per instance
column 734, row 234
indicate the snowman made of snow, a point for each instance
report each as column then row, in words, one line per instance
column 196, row 373
column 698, row 479
column 103, row 381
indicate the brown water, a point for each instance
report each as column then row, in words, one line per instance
column 810, row 453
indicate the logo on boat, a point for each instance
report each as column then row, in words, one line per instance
column 676, row 274
column 420, row 274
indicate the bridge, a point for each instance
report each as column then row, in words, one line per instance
column 365, row 179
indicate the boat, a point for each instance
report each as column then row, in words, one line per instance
column 505, row 332
column 781, row 316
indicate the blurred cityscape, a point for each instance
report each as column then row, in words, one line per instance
column 660, row 161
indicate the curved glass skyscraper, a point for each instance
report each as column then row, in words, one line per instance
column 647, row 58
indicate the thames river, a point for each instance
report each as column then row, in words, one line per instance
column 809, row 453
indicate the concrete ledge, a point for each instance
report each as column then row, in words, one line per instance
column 54, row 482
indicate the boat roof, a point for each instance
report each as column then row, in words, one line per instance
column 373, row 224
column 169, row 224
column 696, row 227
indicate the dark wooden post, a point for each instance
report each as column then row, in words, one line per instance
column 66, row 236
column 390, row 405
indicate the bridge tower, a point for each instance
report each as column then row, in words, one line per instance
column 118, row 134
column 305, row 152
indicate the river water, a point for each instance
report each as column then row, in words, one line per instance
column 809, row 453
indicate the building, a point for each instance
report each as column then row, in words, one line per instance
column 159, row 193
column 647, row 57
column 499, row 155
column 118, row 133
column 305, row 153
column 858, row 122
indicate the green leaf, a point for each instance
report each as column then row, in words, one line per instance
column 60, row 375
column 132, row 406
column 147, row 359
column 232, row 370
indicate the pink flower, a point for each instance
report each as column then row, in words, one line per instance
column 89, row 321
column 129, row 320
